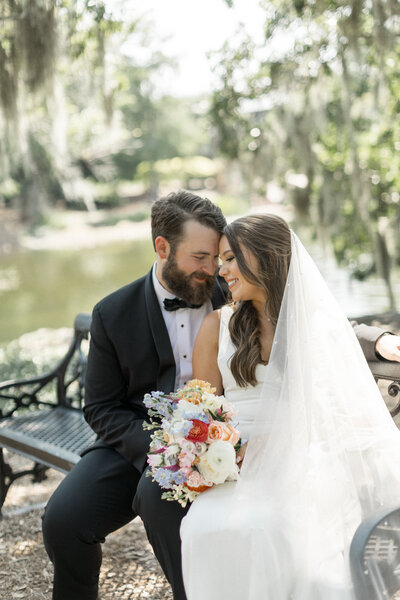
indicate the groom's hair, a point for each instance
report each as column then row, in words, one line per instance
column 170, row 213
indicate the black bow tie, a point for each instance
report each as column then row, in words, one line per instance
column 176, row 303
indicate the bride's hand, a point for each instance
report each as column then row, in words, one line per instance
column 240, row 454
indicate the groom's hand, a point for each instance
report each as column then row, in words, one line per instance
column 388, row 346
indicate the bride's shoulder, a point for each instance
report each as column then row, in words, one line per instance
column 211, row 323
column 209, row 330
column 212, row 320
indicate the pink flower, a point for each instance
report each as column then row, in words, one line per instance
column 218, row 431
column 230, row 410
column 197, row 483
column 186, row 459
column 187, row 471
column 187, row 446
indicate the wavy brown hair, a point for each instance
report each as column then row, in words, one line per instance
column 267, row 237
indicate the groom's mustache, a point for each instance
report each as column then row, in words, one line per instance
column 202, row 276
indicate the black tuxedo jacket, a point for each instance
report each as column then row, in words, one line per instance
column 130, row 354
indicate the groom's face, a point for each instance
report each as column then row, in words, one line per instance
column 190, row 267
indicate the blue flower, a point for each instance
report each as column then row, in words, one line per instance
column 148, row 401
column 164, row 409
column 160, row 404
column 164, row 478
column 179, row 477
column 188, row 414
column 181, row 427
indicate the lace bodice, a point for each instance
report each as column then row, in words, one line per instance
column 244, row 399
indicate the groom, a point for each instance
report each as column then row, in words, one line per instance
column 141, row 340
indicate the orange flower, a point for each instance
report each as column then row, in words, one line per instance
column 204, row 385
column 200, row 488
column 217, row 430
column 191, row 396
column 194, row 390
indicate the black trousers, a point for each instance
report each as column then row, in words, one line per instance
column 95, row 499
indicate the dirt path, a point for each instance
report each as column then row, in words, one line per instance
column 130, row 571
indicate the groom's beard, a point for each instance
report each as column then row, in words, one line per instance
column 185, row 286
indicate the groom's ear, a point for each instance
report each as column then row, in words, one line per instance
column 162, row 246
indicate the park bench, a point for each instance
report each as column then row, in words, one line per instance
column 41, row 418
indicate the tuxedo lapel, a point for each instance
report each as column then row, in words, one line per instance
column 167, row 371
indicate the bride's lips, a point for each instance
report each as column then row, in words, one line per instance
column 231, row 282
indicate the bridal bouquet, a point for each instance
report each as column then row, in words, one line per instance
column 193, row 445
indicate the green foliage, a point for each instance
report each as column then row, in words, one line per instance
column 9, row 189
column 179, row 168
column 232, row 205
column 94, row 116
column 136, row 217
column 33, row 354
column 322, row 95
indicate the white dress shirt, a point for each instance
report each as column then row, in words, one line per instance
column 182, row 325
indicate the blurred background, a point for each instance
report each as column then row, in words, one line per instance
column 283, row 106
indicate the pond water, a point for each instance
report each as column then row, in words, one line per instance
column 47, row 288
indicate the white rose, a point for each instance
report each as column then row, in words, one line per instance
column 218, row 463
column 184, row 406
column 212, row 402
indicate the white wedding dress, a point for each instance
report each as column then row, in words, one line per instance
column 213, row 515
column 322, row 455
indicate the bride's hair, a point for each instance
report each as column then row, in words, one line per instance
column 267, row 237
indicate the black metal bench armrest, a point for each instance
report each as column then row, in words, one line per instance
column 388, row 371
column 375, row 555
column 82, row 323
column 23, row 393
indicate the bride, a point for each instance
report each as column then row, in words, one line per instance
column 320, row 447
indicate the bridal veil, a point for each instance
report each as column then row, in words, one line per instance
column 324, row 454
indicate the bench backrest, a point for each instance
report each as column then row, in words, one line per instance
column 62, row 386
column 70, row 372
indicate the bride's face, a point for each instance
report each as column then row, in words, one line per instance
column 240, row 288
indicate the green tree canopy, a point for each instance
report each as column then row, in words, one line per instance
column 315, row 108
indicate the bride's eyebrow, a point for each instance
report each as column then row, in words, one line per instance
column 226, row 252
